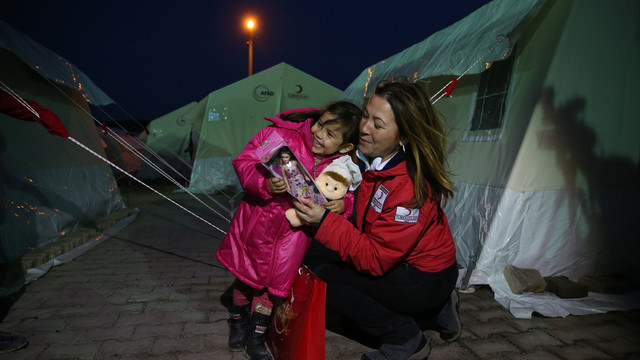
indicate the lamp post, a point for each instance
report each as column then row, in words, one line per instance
column 250, row 25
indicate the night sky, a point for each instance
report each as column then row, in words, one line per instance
column 153, row 57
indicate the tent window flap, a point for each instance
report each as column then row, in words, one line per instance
column 490, row 104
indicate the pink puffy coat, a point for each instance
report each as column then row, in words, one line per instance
column 261, row 249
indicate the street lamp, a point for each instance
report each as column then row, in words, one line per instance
column 250, row 25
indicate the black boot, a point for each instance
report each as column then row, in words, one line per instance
column 256, row 348
column 238, row 323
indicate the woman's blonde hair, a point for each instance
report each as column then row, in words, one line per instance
column 422, row 133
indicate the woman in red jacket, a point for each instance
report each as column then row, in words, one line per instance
column 398, row 255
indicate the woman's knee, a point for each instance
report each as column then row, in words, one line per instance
column 334, row 272
column 326, row 272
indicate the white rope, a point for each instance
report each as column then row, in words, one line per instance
column 19, row 99
column 163, row 161
column 149, row 162
column 142, row 183
column 500, row 39
column 154, row 166
column 125, row 144
column 135, row 151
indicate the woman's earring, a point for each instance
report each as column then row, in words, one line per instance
column 401, row 144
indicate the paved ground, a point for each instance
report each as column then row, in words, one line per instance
column 152, row 291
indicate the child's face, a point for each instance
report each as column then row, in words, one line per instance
column 327, row 138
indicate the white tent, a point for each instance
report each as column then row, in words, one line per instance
column 543, row 141
column 218, row 127
column 48, row 185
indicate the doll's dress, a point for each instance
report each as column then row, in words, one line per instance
column 294, row 174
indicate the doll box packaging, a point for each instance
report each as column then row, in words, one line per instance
column 276, row 155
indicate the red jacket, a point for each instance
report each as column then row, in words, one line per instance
column 386, row 233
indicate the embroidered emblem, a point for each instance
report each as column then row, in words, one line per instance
column 378, row 199
column 407, row 215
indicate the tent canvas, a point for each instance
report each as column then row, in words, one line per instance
column 169, row 144
column 48, row 185
column 51, row 65
column 225, row 120
column 551, row 182
column 123, row 149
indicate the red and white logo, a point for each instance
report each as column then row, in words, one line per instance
column 407, row 215
column 378, row 199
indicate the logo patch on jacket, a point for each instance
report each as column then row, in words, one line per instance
column 407, row 215
column 378, row 199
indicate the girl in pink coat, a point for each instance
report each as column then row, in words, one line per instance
column 261, row 249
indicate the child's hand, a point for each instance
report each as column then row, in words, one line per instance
column 277, row 185
column 336, row 206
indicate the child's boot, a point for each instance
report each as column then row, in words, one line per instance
column 238, row 323
column 258, row 325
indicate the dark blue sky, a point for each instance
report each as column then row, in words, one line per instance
column 153, row 57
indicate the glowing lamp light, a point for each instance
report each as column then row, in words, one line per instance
column 250, row 25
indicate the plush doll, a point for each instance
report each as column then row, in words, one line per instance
column 333, row 182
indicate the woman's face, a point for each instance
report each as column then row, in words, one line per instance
column 379, row 135
column 285, row 158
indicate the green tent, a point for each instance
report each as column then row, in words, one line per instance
column 217, row 128
column 168, row 145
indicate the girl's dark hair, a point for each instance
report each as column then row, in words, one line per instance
column 347, row 115
column 422, row 131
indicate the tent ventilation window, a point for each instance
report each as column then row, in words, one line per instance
column 490, row 103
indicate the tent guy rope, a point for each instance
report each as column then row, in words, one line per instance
column 146, row 160
column 56, row 127
column 134, row 151
column 143, row 184
column 448, row 88
column 162, row 160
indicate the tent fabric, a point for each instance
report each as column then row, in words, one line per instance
column 230, row 116
column 170, row 138
column 453, row 50
column 556, row 189
column 27, row 110
column 218, row 127
column 48, row 185
column 122, row 149
column 50, row 65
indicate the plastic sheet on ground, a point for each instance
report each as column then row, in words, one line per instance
column 35, row 273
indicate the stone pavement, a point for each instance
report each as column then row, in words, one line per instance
column 151, row 291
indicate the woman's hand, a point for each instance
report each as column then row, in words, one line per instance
column 308, row 212
column 336, row 206
column 277, row 185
